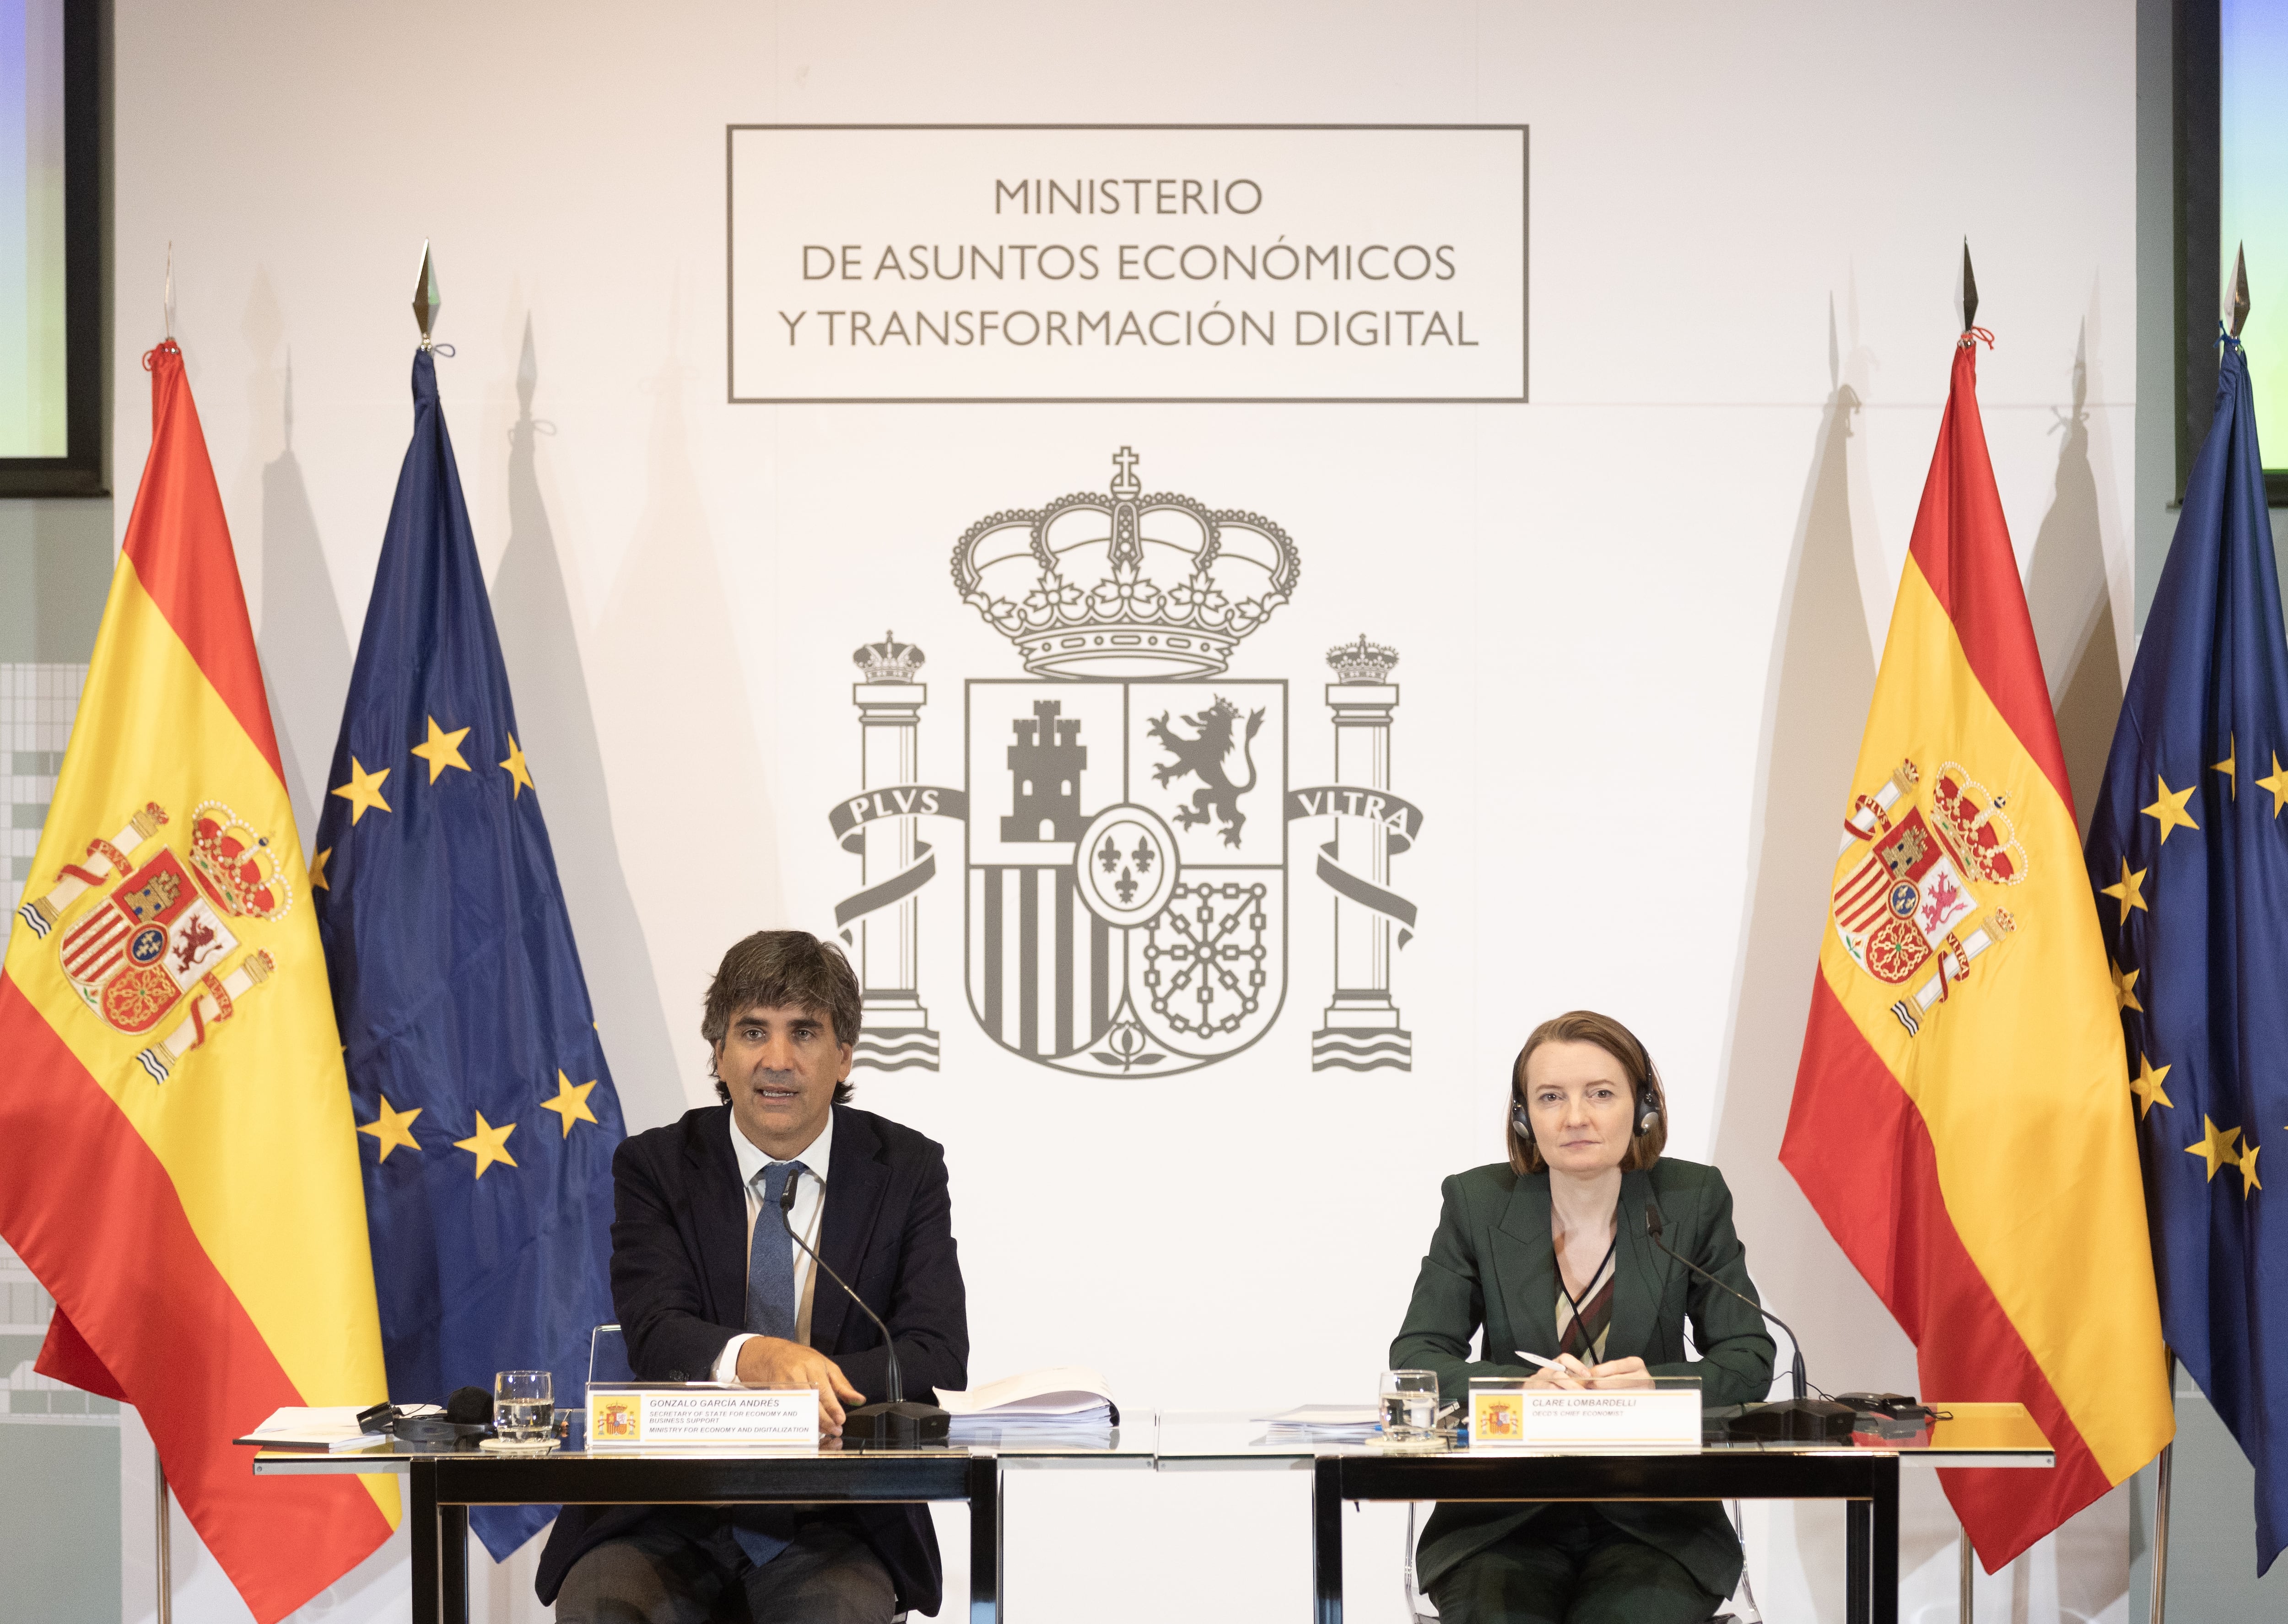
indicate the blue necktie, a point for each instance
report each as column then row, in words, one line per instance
column 770, row 1258
column 771, row 1309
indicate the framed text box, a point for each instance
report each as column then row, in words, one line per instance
column 971, row 264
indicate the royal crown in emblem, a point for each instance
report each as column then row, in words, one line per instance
column 887, row 661
column 1362, row 661
column 1977, row 828
column 235, row 861
column 1125, row 585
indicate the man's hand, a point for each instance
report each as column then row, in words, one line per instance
column 773, row 1361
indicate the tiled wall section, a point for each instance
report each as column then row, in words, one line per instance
column 36, row 704
column 26, row 1395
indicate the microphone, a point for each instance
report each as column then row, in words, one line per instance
column 894, row 1423
column 1801, row 1417
column 468, row 1414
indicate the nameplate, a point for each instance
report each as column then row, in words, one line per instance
column 700, row 1415
column 1553, row 1418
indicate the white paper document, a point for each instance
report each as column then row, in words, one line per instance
column 324, row 1428
column 1061, row 1395
column 1326, row 1415
column 1332, row 1422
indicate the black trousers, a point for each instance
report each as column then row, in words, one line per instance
column 681, row 1565
column 1569, row 1565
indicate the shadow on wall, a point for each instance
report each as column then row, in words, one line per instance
column 2071, row 600
column 685, row 759
column 305, row 648
column 540, row 643
column 1822, row 677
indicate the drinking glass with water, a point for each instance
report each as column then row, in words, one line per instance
column 1409, row 1402
column 524, row 1406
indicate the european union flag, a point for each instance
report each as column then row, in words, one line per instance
column 2188, row 851
column 486, row 1115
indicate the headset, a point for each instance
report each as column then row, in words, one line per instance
column 1648, row 1102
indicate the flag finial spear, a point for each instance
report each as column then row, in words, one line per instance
column 167, row 299
column 426, row 300
column 2235, row 302
column 1969, row 290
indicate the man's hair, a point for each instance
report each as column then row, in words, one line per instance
column 781, row 969
column 1587, row 1026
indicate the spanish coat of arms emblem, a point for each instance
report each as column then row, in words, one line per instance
column 1127, row 896
column 150, row 952
column 1921, row 903
column 1126, row 803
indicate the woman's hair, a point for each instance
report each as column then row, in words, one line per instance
column 1587, row 1026
column 781, row 969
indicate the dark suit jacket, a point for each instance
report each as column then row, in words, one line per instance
column 680, row 1284
column 1492, row 1263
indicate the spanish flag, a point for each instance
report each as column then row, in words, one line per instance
column 178, row 1160
column 1959, row 1120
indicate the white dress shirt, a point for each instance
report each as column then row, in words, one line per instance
column 809, row 1211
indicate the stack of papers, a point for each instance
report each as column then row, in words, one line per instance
column 319, row 1430
column 1063, row 1399
column 1333, row 1423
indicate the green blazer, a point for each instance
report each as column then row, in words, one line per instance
column 1491, row 1264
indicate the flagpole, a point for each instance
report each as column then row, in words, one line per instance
column 1966, row 1599
column 426, row 300
column 166, row 1575
column 161, row 1518
column 2161, row 1510
column 2234, row 314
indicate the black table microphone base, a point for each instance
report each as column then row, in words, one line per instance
column 910, row 1426
column 1794, row 1420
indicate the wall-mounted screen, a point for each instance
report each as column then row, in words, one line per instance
column 2252, row 195
column 50, row 255
column 35, row 383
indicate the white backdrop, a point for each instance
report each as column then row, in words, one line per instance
column 1636, row 618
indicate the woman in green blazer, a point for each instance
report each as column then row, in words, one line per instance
column 1548, row 1253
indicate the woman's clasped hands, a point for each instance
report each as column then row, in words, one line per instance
column 1570, row 1374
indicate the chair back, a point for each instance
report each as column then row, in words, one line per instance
column 608, row 1356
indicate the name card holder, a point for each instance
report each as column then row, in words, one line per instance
column 1662, row 1414
column 700, row 1415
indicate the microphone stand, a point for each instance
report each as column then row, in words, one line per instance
column 894, row 1423
column 1800, row 1419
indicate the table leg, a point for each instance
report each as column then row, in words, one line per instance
column 453, row 1562
column 427, row 1581
column 984, row 1539
column 1886, row 1565
column 1858, row 1534
column 1327, row 1540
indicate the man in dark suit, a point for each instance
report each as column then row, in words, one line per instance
column 709, row 1287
